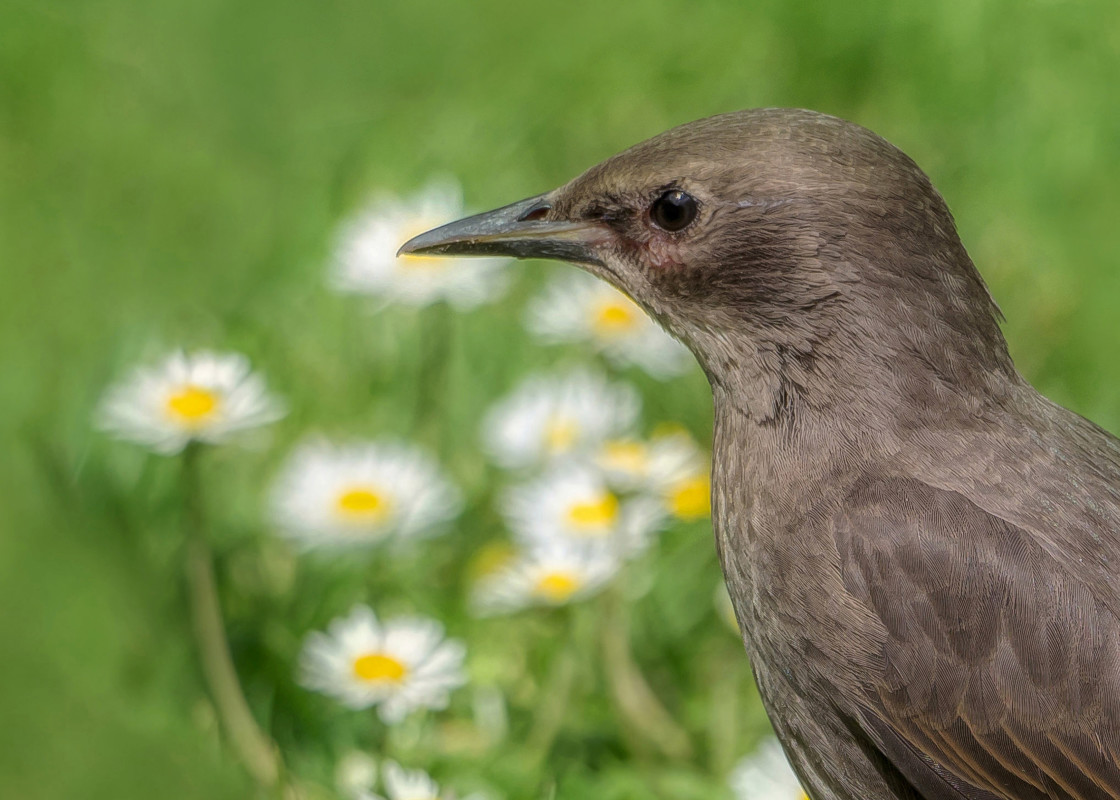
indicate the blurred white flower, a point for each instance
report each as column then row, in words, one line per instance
column 552, row 417
column 662, row 461
column 670, row 466
column 625, row 462
column 413, row 784
column 353, row 495
column 366, row 261
column 552, row 574
column 576, row 307
column 355, row 775
column 574, row 503
column 766, row 775
column 408, row 784
column 398, row 666
column 203, row 396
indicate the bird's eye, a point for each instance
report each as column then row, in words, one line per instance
column 674, row 211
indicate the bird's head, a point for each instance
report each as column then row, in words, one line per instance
column 788, row 249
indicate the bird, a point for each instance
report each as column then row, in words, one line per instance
column 922, row 550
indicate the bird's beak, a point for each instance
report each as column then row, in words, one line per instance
column 517, row 230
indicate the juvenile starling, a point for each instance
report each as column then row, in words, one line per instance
column 922, row 550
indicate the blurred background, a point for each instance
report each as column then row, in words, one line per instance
column 173, row 173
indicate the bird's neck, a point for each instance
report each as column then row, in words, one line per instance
column 853, row 372
column 796, row 427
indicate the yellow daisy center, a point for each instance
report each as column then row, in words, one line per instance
column 378, row 667
column 560, row 434
column 557, row 587
column 193, row 405
column 422, row 262
column 363, row 502
column 593, row 516
column 615, row 317
column 691, row 498
column 625, row 455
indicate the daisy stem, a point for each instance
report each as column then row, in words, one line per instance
column 555, row 697
column 256, row 751
column 635, row 700
column 435, row 350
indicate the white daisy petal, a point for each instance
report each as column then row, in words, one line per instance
column 409, row 784
column 766, row 775
column 552, row 574
column 362, row 664
column 395, row 708
column 576, row 307
column 414, row 638
column 356, row 495
column 359, row 631
column 366, row 260
column 549, row 418
column 574, row 502
column 441, row 667
column 204, row 397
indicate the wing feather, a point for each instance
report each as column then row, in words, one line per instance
column 1001, row 670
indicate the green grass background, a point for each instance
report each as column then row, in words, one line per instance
column 172, row 171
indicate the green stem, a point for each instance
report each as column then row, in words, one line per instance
column 555, row 699
column 256, row 751
column 435, row 350
column 636, row 702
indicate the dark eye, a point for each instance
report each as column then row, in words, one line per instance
column 674, row 211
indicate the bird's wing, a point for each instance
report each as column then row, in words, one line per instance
column 1000, row 672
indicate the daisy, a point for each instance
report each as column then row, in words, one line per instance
column 552, row 417
column 553, row 574
column 574, row 503
column 408, row 784
column 412, row 784
column 671, row 467
column 398, row 666
column 766, row 775
column 354, row 495
column 203, row 397
column 366, row 261
column 576, row 307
